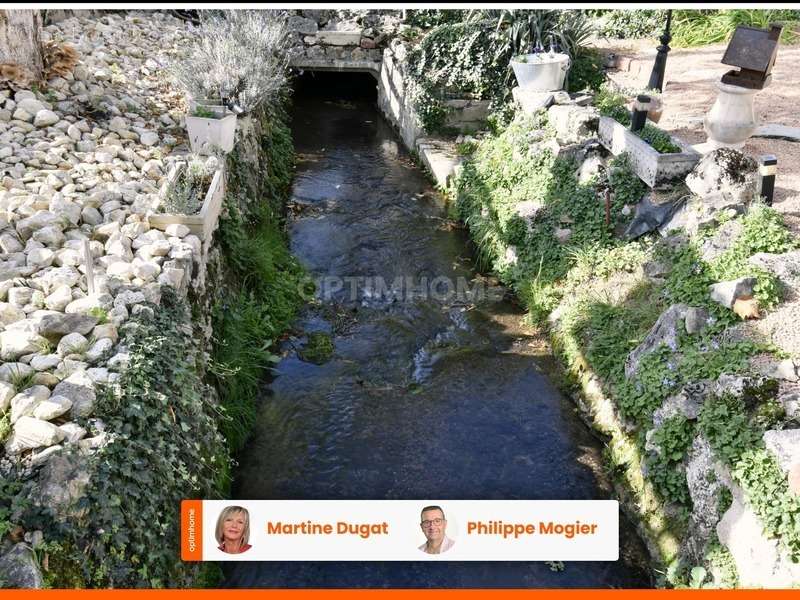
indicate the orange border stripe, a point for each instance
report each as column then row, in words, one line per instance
column 397, row 594
column 192, row 530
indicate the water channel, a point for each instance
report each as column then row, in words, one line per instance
column 427, row 395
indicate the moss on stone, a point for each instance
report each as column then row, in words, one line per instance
column 318, row 348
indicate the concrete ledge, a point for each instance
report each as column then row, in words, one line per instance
column 326, row 64
column 338, row 38
column 441, row 159
column 530, row 102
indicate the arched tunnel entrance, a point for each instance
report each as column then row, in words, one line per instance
column 335, row 85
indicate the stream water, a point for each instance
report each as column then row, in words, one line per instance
column 431, row 392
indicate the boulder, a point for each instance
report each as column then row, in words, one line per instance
column 19, row 568
column 84, row 305
column 696, row 319
column 72, row 432
column 45, row 362
column 722, row 240
column 79, row 388
column 45, row 118
column 59, row 298
column 149, row 138
column 727, row 292
column 11, row 371
column 302, row 25
column 53, row 407
column 17, row 342
column 72, row 343
column 697, row 214
column 61, row 483
column 24, row 403
column 725, row 172
column 56, row 326
column 10, row 314
column 573, row 123
column 784, row 266
column 761, row 562
column 785, row 445
column 99, row 350
column 704, row 489
column 688, row 402
column 30, row 433
column 665, row 331
column 7, row 392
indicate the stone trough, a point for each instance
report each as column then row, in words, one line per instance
column 652, row 167
column 201, row 224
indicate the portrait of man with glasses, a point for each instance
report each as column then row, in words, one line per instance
column 433, row 526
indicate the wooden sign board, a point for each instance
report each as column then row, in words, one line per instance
column 753, row 50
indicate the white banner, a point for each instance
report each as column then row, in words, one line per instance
column 387, row 530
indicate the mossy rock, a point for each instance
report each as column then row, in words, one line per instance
column 318, row 348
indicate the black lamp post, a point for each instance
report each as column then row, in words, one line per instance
column 660, row 65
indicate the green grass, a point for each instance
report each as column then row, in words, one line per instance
column 265, row 285
column 702, row 27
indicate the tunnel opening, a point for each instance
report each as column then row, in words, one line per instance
column 335, row 85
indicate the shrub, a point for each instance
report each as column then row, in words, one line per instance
column 452, row 60
column 631, row 24
column 429, row 18
column 163, row 435
column 586, row 71
column 240, row 55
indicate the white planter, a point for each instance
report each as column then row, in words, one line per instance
column 206, row 135
column 649, row 164
column 731, row 121
column 541, row 72
column 201, row 224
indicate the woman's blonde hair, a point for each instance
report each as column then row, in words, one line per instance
column 227, row 512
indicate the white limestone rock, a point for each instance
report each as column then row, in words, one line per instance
column 73, row 343
column 45, row 362
column 7, row 392
column 99, row 350
column 79, row 388
column 24, row 403
column 177, row 230
column 11, row 371
column 40, row 258
column 16, row 342
column 10, row 314
column 30, row 433
column 72, row 432
column 106, row 330
column 59, row 298
column 53, row 407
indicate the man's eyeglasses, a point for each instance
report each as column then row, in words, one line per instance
column 437, row 521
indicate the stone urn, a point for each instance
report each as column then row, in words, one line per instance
column 731, row 121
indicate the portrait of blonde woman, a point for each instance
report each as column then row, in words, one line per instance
column 233, row 530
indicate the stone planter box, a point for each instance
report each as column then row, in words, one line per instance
column 651, row 166
column 206, row 135
column 201, row 224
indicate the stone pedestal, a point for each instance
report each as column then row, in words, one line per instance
column 731, row 121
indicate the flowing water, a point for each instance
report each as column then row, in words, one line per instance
column 428, row 394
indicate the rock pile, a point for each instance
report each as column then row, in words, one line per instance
column 81, row 167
